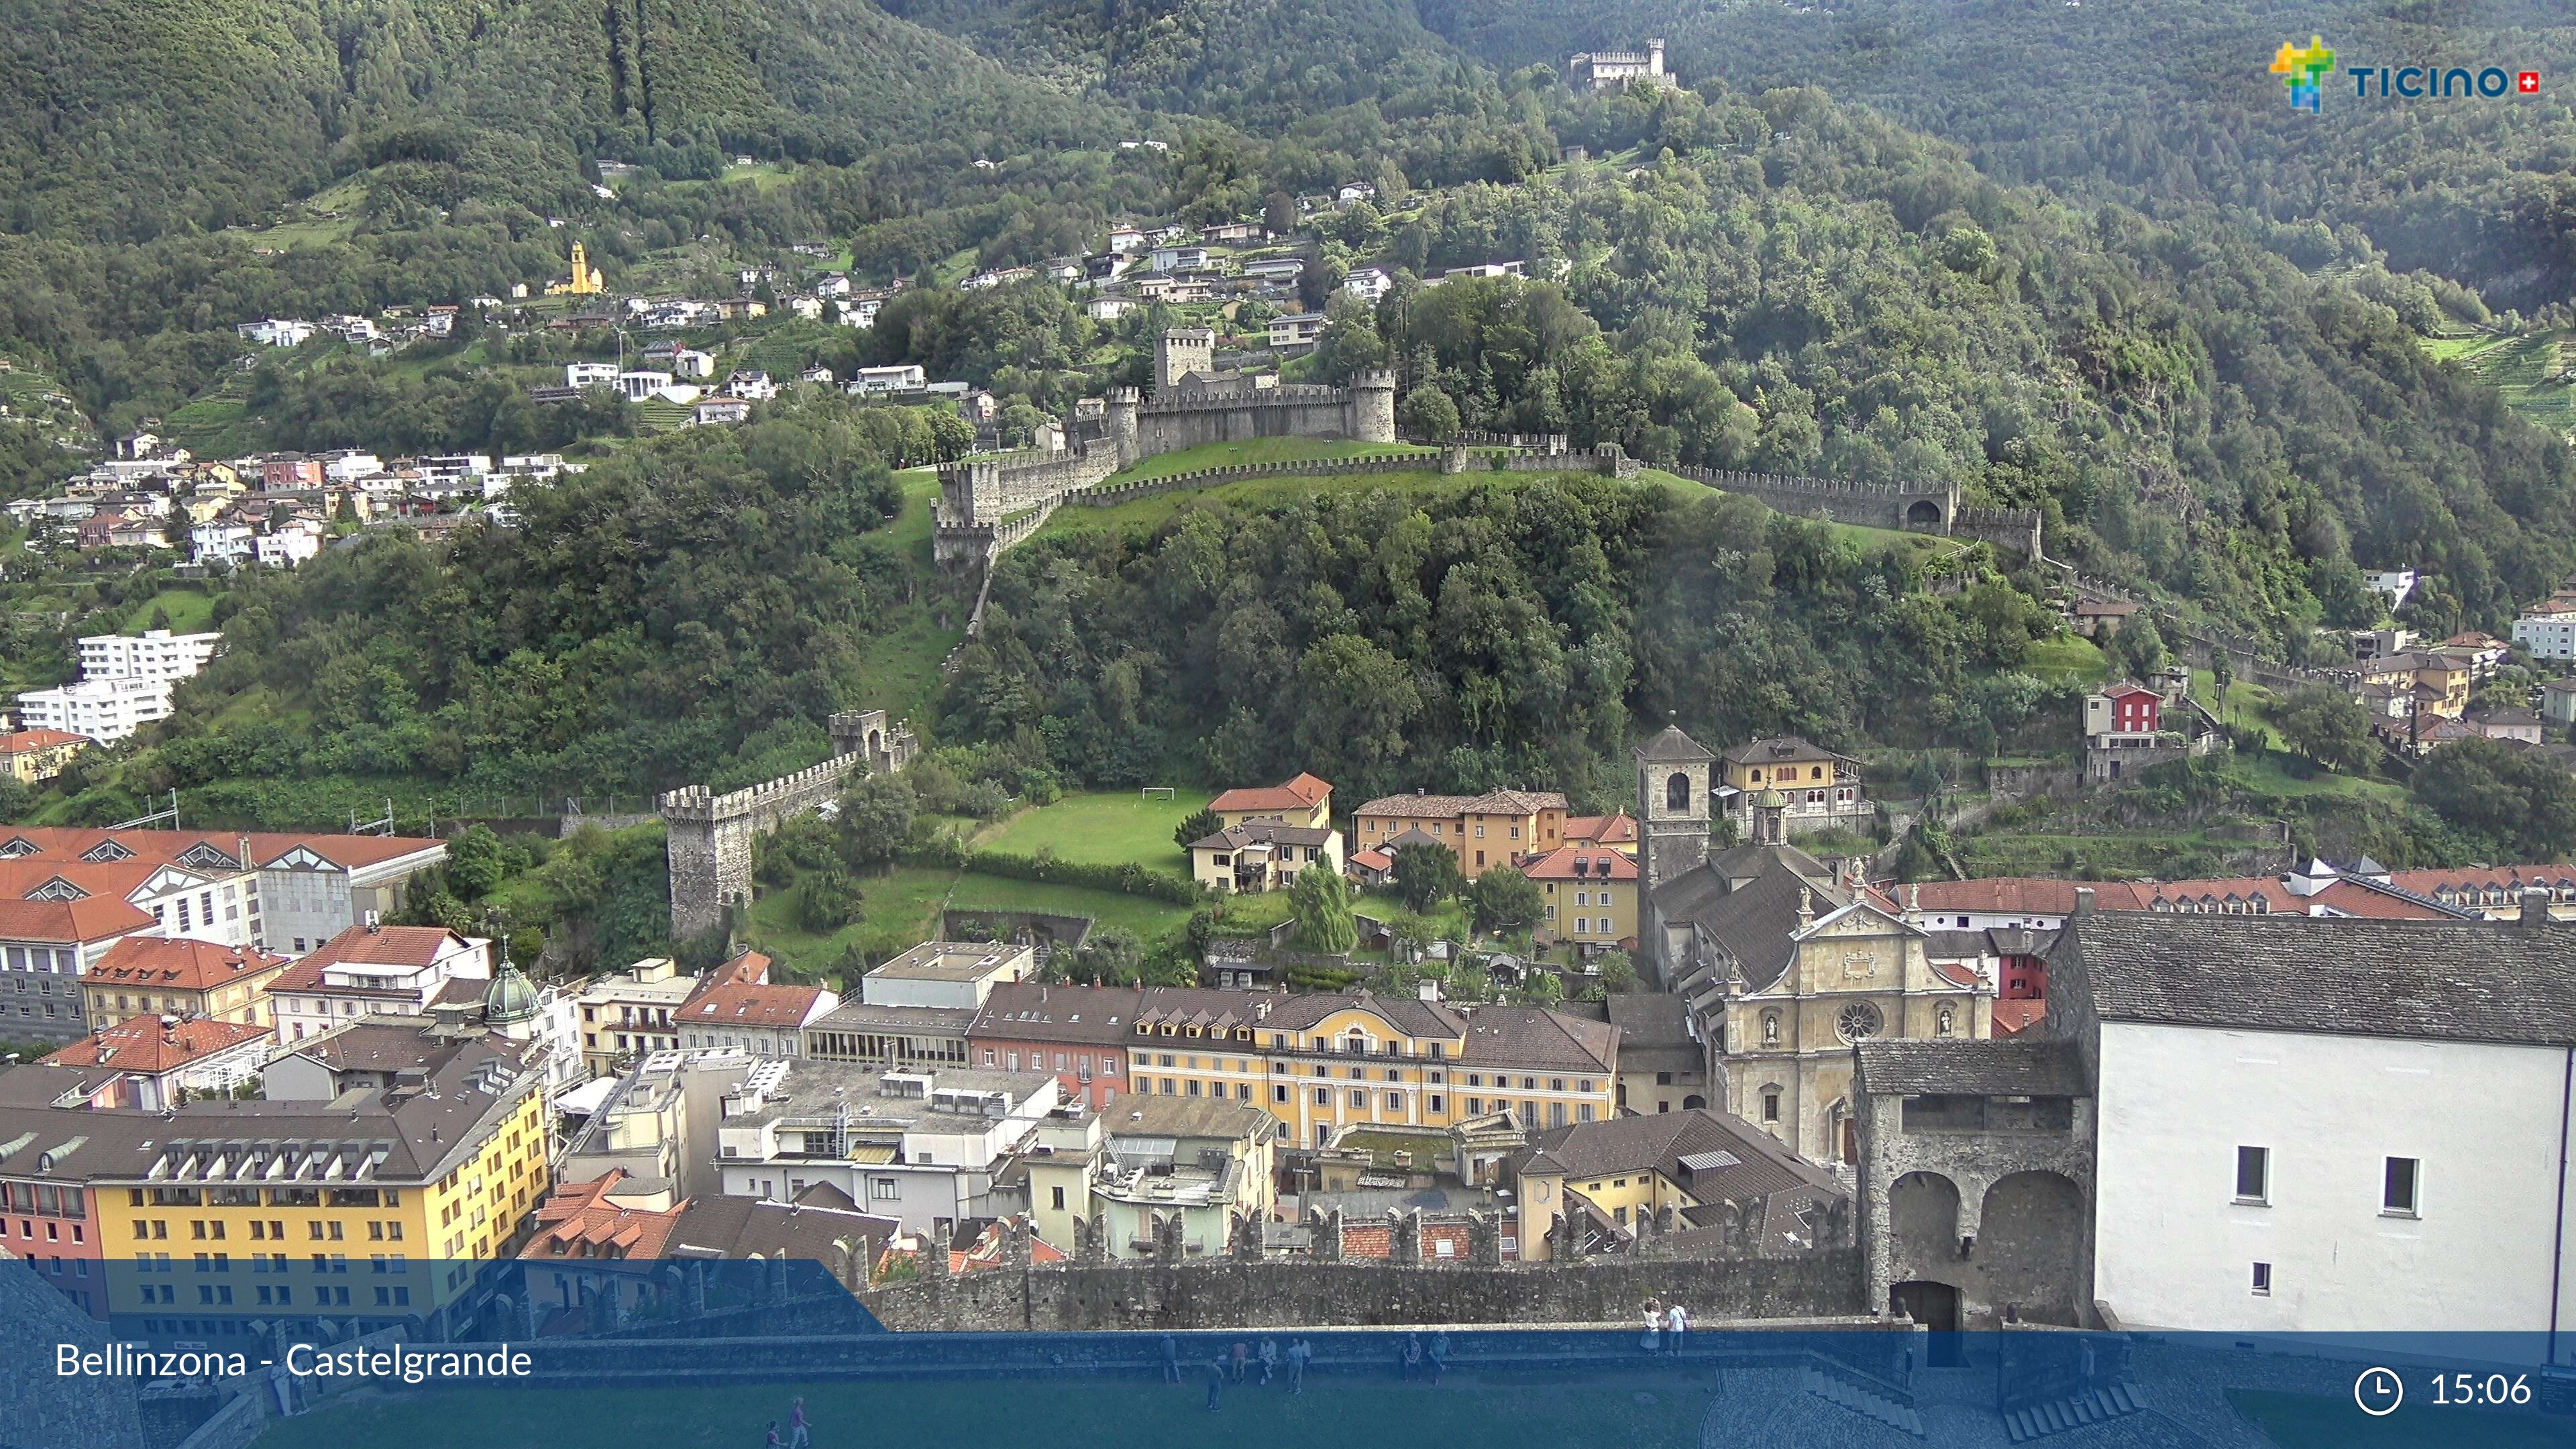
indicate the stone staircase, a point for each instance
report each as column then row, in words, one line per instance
column 1869, row 1403
column 2056, row 1416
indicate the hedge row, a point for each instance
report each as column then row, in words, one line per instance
column 1128, row 879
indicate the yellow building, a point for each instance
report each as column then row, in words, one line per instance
column 1486, row 830
column 2440, row 683
column 39, row 754
column 1608, row 1176
column 150, row 975
column 1259, row 855
column 1322, row 1062
column 1591, row 895
column 371, row 1207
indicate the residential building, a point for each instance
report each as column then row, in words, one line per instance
column 2283, row 1141
column 155, row 1063
column 37, row 755
column 104, row 710
column 187, row 979
column 2505, row 723
column 605, row 1249
column 1495, row 828
column 738, row 1005
column 891, row 1038
column 276, row 332
column 631, row 1014
column 1610, row 832
column 2548, row 630
column 1677, row 1170
column 1278, row 270
column 2483, row 653
column 287, row 545
column 1187, row 1165
column 720, row 412
column 1296, row 329
column 1777, row 788
column 46, row 946
column 658, row 1124
column 951, row 975
column 1260, row 855
column 2558, row 703
column 640, row 386
column 1303, row 800
column 1591, row 894
column 1179, row 259
column 315, row 887
column 408, row 1180
column 1125, row 239
column 1078, row 1033
column 2395, row 585
column 2441, row 684
column 2099, row 619
column 590, row 374
column 1784, row 960
column 899, row 378
column 1368, row 283
column 374, row 970
column 921, row 1147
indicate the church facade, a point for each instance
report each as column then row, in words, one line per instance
column 1783, row 961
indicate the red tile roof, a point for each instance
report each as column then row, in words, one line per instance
column 27, row 742
column 1601, row 829
column 1599, row 863
column 751, row 1006
column 145, row 1044
column 181, row 964
column 751, row 968
column 2016, row 1014
column 1998, row 895
column 1305, row 792
column 387, row 946
column 99, row 918
column 578, row 1221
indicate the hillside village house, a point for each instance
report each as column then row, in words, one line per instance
column 739, row 1006
column 1817, row 789
column 632, row 1013
column 1495, row 828
column 36, row 755
column 45, row 948
column 186, row 979
column 2439, row 684
column 1591, row 895
column 1261, row 855
column 1303, row 800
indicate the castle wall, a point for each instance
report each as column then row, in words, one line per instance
column 1930, row 509
column 1232, row 1294
column 709, row 837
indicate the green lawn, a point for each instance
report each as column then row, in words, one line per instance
column 2527, row 369
column 2071, row 658
column 1259, row 493
column 2301, row 1421
column 1146, row 917
column 1502, row 1412
column 192, row 611
column 1260, row 450
column 1106, row 827
column 900, row 911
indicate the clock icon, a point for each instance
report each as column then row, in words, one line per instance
column 2379, row 1391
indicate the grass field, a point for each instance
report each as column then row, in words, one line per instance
column 1107, row 827
column 191, row 611
column 2300, row 1421
column 1560, row 1411
column 1260, row 450
column 2071, row 658
column 2526, row 369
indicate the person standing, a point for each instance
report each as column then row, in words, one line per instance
column 1242, row 1358
column 1412, row 1355
column 1216, row 1379
column 1439, row 1356
column 1269, row 1358
column 1171, row 1360
column 798, row 1435
column 1299, row 1354
column 1676, row 1323
column 1654, row 1339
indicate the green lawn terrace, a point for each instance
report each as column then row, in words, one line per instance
column 1106, row 827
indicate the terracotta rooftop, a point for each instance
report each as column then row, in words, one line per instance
column 179, row 964
column 750, row 1005
column 1305, row 792
column 1595, row 862
column 578, row 1221
column 24, row 742
column 148, row 1045
column 98, row 918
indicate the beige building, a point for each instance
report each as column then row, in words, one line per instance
column 1154, row 1159
column 1666, row 1169
column 1304, row 801
column 1259, row 855
column 186, row 979
column 629, row 1015
column 1591, row 895
column 1495, row 828
column 1784, row 961
column 37, row 755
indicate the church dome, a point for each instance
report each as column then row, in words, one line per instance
column 510, row 999
column 1771, row 799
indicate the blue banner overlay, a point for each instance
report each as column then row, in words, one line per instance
column 571, row 1354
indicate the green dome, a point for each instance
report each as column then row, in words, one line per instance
column 510, row 999
column 1771, row 800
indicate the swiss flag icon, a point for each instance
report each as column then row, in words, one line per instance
column 2527, row 82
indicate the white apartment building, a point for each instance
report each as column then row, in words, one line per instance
column 374, row 970
column 957, row 975
column 2548, row 631
column 920, row 1146
column 290, row 545
column 590, row 374
column 153, row 654
column 2328, row 1124
column 105, row 710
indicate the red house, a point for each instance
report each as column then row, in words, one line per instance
column 2125, row 708
column 1078, row 1033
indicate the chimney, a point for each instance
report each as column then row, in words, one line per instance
column 2083, row 902
column 246, row 862
column 2535, row 905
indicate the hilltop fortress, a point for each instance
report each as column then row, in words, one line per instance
column 986, row 505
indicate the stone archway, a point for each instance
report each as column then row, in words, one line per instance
column 1922, row 1221
column 2030, row 1246
column 1923, row 513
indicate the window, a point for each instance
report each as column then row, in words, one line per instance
column 1279, row 1093
column 1771, row 1105
column 1059, row 1199
column 884, row 1189
column 2254, row 1176
column 1677, row 790
column 1395, row 1101
column 2262, row 1280
column 2397, row 1191
column 1323, row 1096
column 1359, row 1097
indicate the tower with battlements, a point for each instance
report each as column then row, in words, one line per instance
column 709, row 837
column 1179, row 352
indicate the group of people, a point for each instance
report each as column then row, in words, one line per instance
column 1238, row 1366
column 1665, row 1321
column 799, row 1435
column 1418, row 1361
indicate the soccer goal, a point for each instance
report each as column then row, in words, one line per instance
column 1156, row 792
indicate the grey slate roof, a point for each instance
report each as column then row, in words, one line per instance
column 1746, row 900
column 1672, row 747
column 2439, row 980
column 1964, row 1068
column 1658, row 1142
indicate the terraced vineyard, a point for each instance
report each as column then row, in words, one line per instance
column 2532, row 370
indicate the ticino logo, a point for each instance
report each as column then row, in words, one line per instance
column 2303, row 71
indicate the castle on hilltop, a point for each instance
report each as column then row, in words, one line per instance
column 985, row 505
column 1614, row 70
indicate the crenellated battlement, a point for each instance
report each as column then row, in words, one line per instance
column 709, row 836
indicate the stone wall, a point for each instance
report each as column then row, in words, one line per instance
column 2009, row 784
column 1931, row 508
column 709, row 836
column 1231, row 1293
column 2020, row 1199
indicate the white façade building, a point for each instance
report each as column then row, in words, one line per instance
column 2327, row 1124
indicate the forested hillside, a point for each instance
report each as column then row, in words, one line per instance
column 133, row 118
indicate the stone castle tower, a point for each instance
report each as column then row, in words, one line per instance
column 1373, row 406
column 1179, row 352
column 1672, row 806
